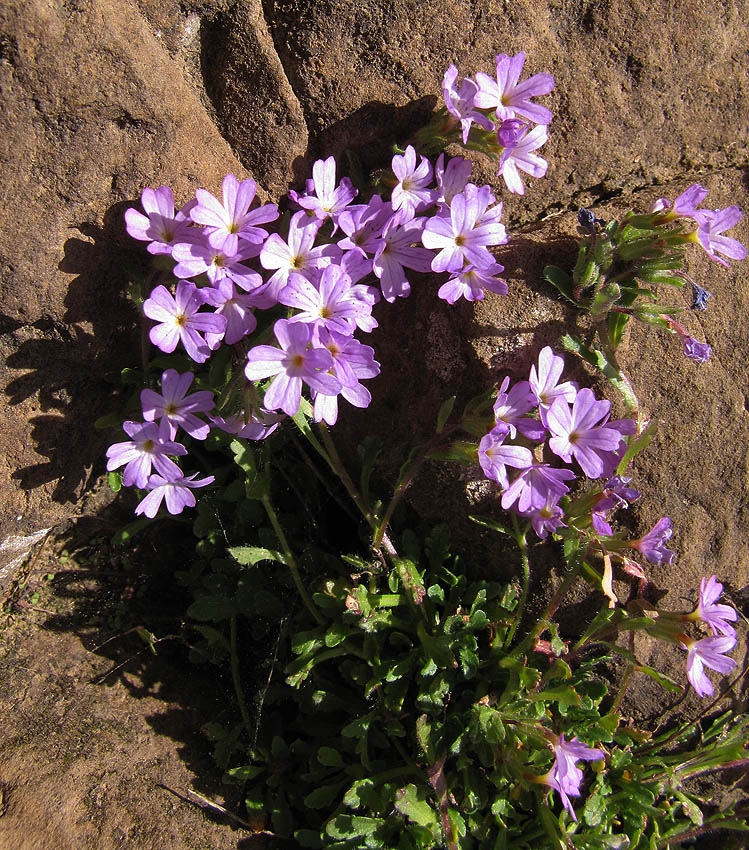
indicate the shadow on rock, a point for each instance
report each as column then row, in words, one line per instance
column 74, row 364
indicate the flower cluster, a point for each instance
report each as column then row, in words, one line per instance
column 327, row 270
column 502, row 107
column 574, row 425
column 710, row 651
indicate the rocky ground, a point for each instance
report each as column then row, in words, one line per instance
column 101, row 98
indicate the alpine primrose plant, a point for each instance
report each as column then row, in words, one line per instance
column 404, row 704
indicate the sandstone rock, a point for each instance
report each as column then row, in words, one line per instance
column 94, row 109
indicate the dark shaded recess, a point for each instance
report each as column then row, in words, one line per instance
column 76, row 371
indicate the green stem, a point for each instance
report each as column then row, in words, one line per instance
column 521, row 540
column 341, row 471
column 235, row 672
column 290, row 560
column 551, row 608
column 405, row 482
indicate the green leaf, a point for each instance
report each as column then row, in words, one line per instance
column 586, row 271
column 595, row 809
column 617, row 323
column 324, row 796
column 251, row 555
column 564, row 695
column 109, row 420
column 411, row 802
column 353, row 826
column 212, row 607
column 562, row 282
column 444, row 413
column 490, row 523
column 126, row 534
column 635, row 446
column 600, row 361
column 114, row 479
column 245, row 773
column 368, row 450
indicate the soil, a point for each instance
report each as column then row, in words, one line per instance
column 102, row 744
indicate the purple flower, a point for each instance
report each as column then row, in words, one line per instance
column 537, row 487
column 351, row 361
column 495, row 457
column 546, row 519
column 652, row 544
column 258, row 424
column 707, row 652
column 684, row 206
column 411, row 194
column 332, row 303
column 226, row 223
column 145, row 448
column 198, row 256
column 565, row 776
column 712, row 613
column 177, row 492
column 511, row 98
column 329, row 200
column 236, row 309
column 451, row 178
column 473, row 284
column 575, row 433
column 545, row 384
column 520, row 156
column 461, row 238
column 711, row 225
column 696, row 350
column 396, row 251
column 363, row 226
column 510, row 408
column 615, row 494
column 160, row 226
column 460, row 102
column 292, row 364
column 297, row 254
column 174, row 408
column 180, row 321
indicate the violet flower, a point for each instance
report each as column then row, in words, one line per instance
column 712, row 613
column 331, row 303
column 198, row 256
column 565, row 776
column 536, row 487
column 495, row 457
column 711, row 225
column 508, row 96
column 412, row 193
column 652, row 544
column 291, row 365
column 258, row 424
column 451, row 178
column 544, row 381
column 473, row 284
column 460, row 238
column 174, row 408
column 145, row 448
column 328, row 200
column 177, row 493
column 160, row 226
column 684, row 206
column 460, row 102
column 236, row 308
column 511, row 408
column 574, row 432
column 695, row 350
column 707, row 652
column 396, row 251
column 226, row 223
column 546, row 519
column 180, row 321
column 520, row 156
column 296, row 255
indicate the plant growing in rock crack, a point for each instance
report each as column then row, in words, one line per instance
column 402, row 704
